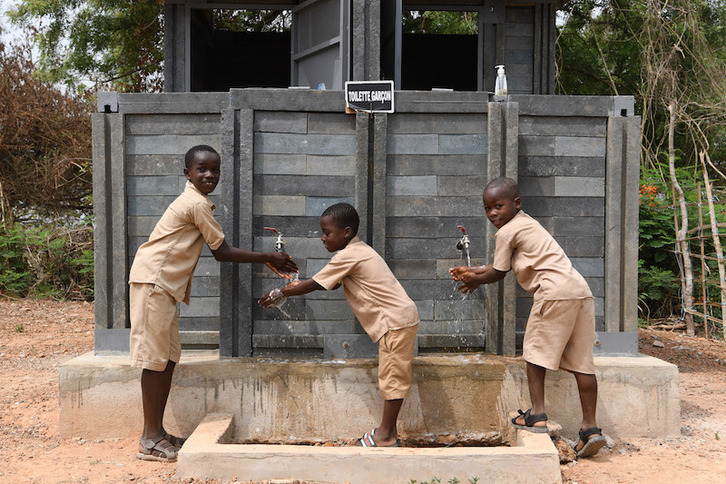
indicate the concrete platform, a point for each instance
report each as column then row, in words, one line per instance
column 209, row 454
column 454, row 397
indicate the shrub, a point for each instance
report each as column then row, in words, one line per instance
column 46, row 260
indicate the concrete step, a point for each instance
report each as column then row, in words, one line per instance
column 208, row 454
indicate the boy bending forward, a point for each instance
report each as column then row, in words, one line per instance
column 161, row 276
column 561, row 327
column 379, row 302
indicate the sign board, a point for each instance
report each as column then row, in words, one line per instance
column 369, row 96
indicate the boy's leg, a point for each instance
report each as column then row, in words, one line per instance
column 536, row 383
column 155, row 347
column 395, row 355
column 386, row 434
column 587, row 387
column 155, row 387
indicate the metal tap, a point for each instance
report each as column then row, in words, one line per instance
column 279, row 242
column 464, row 242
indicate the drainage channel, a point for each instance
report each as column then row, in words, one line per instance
column 530, row 458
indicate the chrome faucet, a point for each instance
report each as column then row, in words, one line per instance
column 464, row 242
column 279, row 243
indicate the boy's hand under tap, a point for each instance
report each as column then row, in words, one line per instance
column 271, row 298
column 458, row 272
column 282, row 265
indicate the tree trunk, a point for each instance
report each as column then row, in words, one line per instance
column 716, row 241
column 681, row 234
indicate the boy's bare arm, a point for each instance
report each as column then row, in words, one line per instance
column 304, row 287
column 294, row 289
column 486, row 274
column 278, row 260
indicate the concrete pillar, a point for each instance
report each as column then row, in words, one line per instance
column 235, row 334
column 366, row 25
column 378, row 216
column 503, row 152
column 110, row 242
column 621, row 219
column 175, row 48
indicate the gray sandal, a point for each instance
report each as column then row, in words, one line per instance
column 592, row 440
column 160, row 450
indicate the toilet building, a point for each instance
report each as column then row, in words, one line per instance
column 272, row 103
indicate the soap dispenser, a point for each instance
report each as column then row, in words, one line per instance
column 500, row 88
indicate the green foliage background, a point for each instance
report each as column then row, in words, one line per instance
column 45, row 261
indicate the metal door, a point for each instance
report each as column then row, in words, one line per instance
column 320, row 44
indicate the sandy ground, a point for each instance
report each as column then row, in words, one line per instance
column 37, row 336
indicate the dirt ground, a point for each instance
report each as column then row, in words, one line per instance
column 37, row 336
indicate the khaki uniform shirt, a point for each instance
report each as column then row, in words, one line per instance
column 377, row 298
column 538, row 262
column 171, row 254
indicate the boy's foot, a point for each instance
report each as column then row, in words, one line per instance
column 160, row 450
column 528, row 421
column 368, row 441
column 590, row 443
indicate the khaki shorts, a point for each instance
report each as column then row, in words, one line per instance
column 560, row 334
column 154, row 339
column 395, row 356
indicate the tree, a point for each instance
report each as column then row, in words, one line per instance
column 670, row 54
column 116, row 44
column 438, row 22
column 45, row 143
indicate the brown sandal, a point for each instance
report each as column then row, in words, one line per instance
column 160, row 450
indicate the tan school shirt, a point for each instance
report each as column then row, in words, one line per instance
column 538, row 261
column 376, row 297
column 171, row 254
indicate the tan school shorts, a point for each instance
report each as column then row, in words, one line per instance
column 154, row 339
column 560, row 334
column 395, row 356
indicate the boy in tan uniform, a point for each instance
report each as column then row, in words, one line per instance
column 561, row 327
column 161, row 276
column 379, row 302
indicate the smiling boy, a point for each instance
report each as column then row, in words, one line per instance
column 379, row 302
column 561, row 327
column 161, row 276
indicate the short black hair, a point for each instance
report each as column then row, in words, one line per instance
column 503, row 183
column 189, row 157
column 344, row 214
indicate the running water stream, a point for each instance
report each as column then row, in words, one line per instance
column 463, row 245
column 280, row 300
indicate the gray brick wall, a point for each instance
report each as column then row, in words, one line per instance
column 435, row 176
column 284, row 167
column 303, row 163
column 562, row 168
column 519, row 50
column 155, row 148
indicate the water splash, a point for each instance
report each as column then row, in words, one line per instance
column 279, row 305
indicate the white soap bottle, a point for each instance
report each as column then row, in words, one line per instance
column 500, row 88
